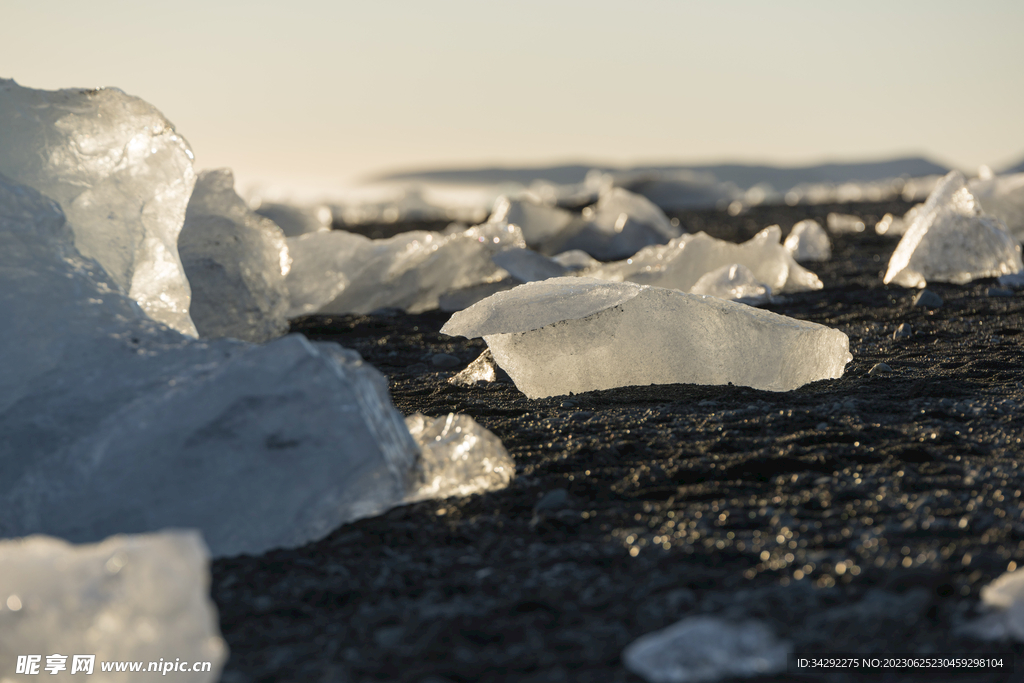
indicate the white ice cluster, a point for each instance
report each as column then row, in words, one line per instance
column 112, row 423
column 541, row 224
column 569, row 335
column 808, row 241
column 619, row 224
column 733, row 282
column 130, row 598
column 704, row 649
column 950, row 239
column 342, row 272
column 459, row 457
column 122, row 175
column 684, row 260
column 236, row 262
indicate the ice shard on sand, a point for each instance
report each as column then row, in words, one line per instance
column 569, row 335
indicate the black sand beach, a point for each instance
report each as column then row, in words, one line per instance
column 859, row 515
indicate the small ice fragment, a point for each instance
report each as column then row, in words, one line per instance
column 576, row 259
column 580, row 334
column 927, row 299
column 459, row 457
column 734, row 282
column 526, row 265
column 808, row 241
column 879, row 369
column 480, row 370
column 703, row 649
column 129, row 598
column 618, row 225
column 540, row 224
column 123, row 177
column 844, row 224
column 903, row 331
column 1005, row 596
column 684, row 260
column 236, row 262
column 951, row 240
column 296, row 220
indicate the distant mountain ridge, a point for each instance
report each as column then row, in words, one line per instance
column 743, row 175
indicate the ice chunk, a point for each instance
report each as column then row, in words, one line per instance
column 808, row 241
column 338, row 272
column 684, row 260
column 891, row 225
column 951, row 240
column 576, row 259
column 236, row 262
column 580, row 334
column 540, row 223
column 618, row 225
column 482, row 369
column 129, row 598
column 734, row 282
column 843, row 224
column 112, row 423
column 1002, row 197
column 121, row 173
column 296, row 220
column 526, row 265
column 459, row 457
column 704, row 649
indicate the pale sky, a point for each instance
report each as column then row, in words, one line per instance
column 311, row 92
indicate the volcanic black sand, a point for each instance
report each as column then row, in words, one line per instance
column 859, row 515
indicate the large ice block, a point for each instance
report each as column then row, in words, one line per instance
column 339, row 272
column 236, row 262
column 459, row 457
column 952, row 240
column 113, row 423
column 580, row 334
column 121, row 173
column 683, row 261
column 127, row 599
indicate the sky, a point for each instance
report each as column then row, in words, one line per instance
column 321, row 93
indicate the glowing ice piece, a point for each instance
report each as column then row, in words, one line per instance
column 703, row 649
column 618, row 225
column 121, row 173
column 1005, row 598
column 808, row 241
column 683, row 261
column 580, row 334
column 526, row 265
column 459, row 457
column 130, row 598
column 112, row 423
column 844, row 223
column 236, row 262
column 733, row 282
column 338, row 272
column 540, row 223
column 952, row 240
